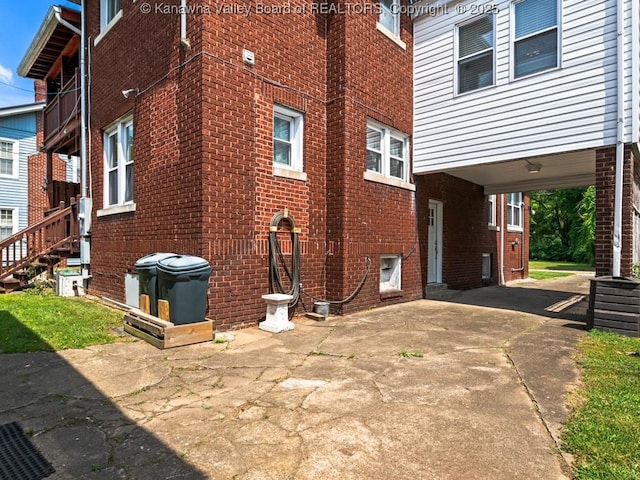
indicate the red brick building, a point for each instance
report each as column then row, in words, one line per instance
column 239, row 115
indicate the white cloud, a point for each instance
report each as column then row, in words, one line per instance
column 6, row 75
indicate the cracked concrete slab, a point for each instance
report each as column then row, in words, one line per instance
column 472, row 387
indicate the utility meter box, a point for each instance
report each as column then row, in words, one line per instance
column 69, row 284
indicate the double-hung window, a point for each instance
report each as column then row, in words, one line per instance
column 108, row 11
column 118, row 158
column 476, row 54
column 8, row 222
column 387, row 151
column 491, row 211
column 536, row 36
column 390, row 16
column 8, row 158
column 288, row 126
column 514, row 211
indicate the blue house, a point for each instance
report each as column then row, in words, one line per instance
column 18, row 133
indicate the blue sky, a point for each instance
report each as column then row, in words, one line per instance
column 20, row 22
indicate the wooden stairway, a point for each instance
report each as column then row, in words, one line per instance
column 39, row 247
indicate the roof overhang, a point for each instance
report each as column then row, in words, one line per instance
column 51, row 40
column 20, row 109
column 548, row 172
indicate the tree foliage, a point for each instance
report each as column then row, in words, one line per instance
column 563, row 225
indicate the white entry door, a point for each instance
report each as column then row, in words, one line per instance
column 434, row 260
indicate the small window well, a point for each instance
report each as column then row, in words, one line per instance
column 390, row 273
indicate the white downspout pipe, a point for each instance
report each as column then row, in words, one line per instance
column 184, row 41
column 617, row 199
column 84, row 208
column 501, row 279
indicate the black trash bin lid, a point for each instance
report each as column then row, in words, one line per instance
column 183, row 264
column 152, row 259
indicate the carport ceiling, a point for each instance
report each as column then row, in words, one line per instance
column 566, row 170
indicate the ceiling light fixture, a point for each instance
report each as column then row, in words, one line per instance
column 533, row 167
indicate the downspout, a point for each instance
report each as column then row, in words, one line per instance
column 501, row 279
column 184, row 41
column 617, row 199
column 84, row 207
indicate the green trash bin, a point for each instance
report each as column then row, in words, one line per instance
column 147, row 277
column 183, row 281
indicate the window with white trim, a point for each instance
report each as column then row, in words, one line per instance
column 288, row 128
column 514, row 211
column 108, row 11
column 8, row 222
column 491, row 210
column 390, row 16
column 476, row 54
column 387, row 151
column 8, row 158
column 118, row 163
column 536, row 36
column 390, row 272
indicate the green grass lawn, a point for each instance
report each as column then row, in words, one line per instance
column 547, row 265
column 545, row 275
column 604, row 432
column 30, row 322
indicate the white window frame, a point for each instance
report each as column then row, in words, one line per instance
column 296, row 138
column 459, row 59
column 393, row 12
column 491, row 210
column 387, row 134
column 513, row 207
column 108, row 17
column 515, row 40
column 14, row 220
column 15, row 168
column 119, row 129
column 390, row 273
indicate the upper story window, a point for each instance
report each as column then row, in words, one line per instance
column 8, row 222
column 476, row 54
column 535, row 36
column 8, row 158
column 491, row 213
column 390, row 16
column 387, row 151
column 515, row 220
column 288, row 127
column 118, row 160
column 109, row 9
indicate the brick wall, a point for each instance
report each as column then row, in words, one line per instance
column 466, row 235
column 37, row 172
column 605, row 193
column 204, row 181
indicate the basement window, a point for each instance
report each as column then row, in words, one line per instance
column 390, row 273
column 486, row 265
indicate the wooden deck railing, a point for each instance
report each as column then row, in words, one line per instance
column 63, row 108
column 59, row 231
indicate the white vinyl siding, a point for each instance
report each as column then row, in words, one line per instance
column 568, row 108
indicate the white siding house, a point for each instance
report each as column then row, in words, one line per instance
column 483, row 95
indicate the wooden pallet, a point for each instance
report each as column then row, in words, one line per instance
column 164, row 334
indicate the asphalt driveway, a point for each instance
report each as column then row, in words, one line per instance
column 472, row 387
